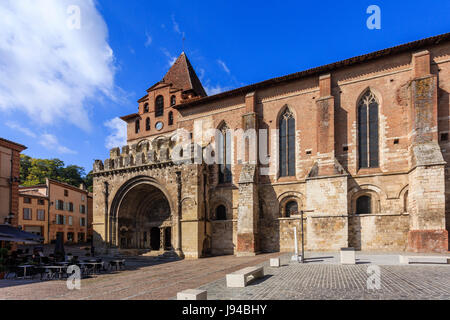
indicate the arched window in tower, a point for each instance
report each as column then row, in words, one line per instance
column 363, row 205
column 173, row 100
column 221, row 213
column 137, row 126
column 170, row 118
column 146, row 108
column 368, row 131
column 291, row 208
column 159, row 106
column 147, row 124
column 223, row 148
column 287, row 144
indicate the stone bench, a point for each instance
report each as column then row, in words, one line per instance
column 240, row 278
column 275, row 262
column 192, row 294
column 424, row 259
column 348, row 256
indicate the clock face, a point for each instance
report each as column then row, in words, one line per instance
column 159, row 125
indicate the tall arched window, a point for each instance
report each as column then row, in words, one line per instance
column 146, row 107
column 159, row 106
column 170, row 118
column 137, row 126
column 224, row 154
column 221, row 213
column 147, row 124
column 368, row 131
column 405, row 201
column 291, row 208
column 173, row 100
column 287, row 144
column 363, row 205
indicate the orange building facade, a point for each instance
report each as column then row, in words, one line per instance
column 56, row 207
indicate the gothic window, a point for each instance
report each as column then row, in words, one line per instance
column 137, row 126
column 221, row 213
column 170, row 118
column 224, row 154
column 173, row 100
column 291, row 208
column 368, row 131
column 363, row 205
column 146, row 107
column 147, row 124
column 405, row 202
column 159, row 106
column 287, row 144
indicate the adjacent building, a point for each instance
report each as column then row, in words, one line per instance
column 360, row 146
column 9, row 181
column 56, row 207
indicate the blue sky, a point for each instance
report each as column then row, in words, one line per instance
column 62, row 91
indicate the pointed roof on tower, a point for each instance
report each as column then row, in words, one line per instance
column 182, row 76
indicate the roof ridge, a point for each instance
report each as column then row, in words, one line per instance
column 323, row 68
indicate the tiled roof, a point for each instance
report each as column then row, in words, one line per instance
column 415, row 45
column 32, row 193
column 182, row 76
column 12, row 144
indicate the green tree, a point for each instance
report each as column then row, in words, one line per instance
column 35, row 171
column 25, row 165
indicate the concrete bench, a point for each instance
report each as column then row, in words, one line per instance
column 191, row 294
column 275, row 262
column 240, row 278
column 348, row 256
column 424, row 259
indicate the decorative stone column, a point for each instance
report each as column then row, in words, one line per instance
column 162, row 237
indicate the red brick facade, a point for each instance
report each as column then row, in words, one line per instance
column 391, row 107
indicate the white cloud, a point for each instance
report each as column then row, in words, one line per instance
column 21, row 128
column 148, row 40
column 212, row 90
column 118, row 134
column 224, row 66
column 171, row 58
column 201, row 73
column 49, row 70
column 176, row 26
column 50, row 142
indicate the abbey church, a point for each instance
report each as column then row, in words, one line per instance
column 361, row 149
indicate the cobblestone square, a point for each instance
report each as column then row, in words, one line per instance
column 320, row 280
column 321, row 277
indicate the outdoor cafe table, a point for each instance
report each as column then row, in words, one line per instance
column 91, row 264
column 56, row 267
column 25, row 269
column 117, row 262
